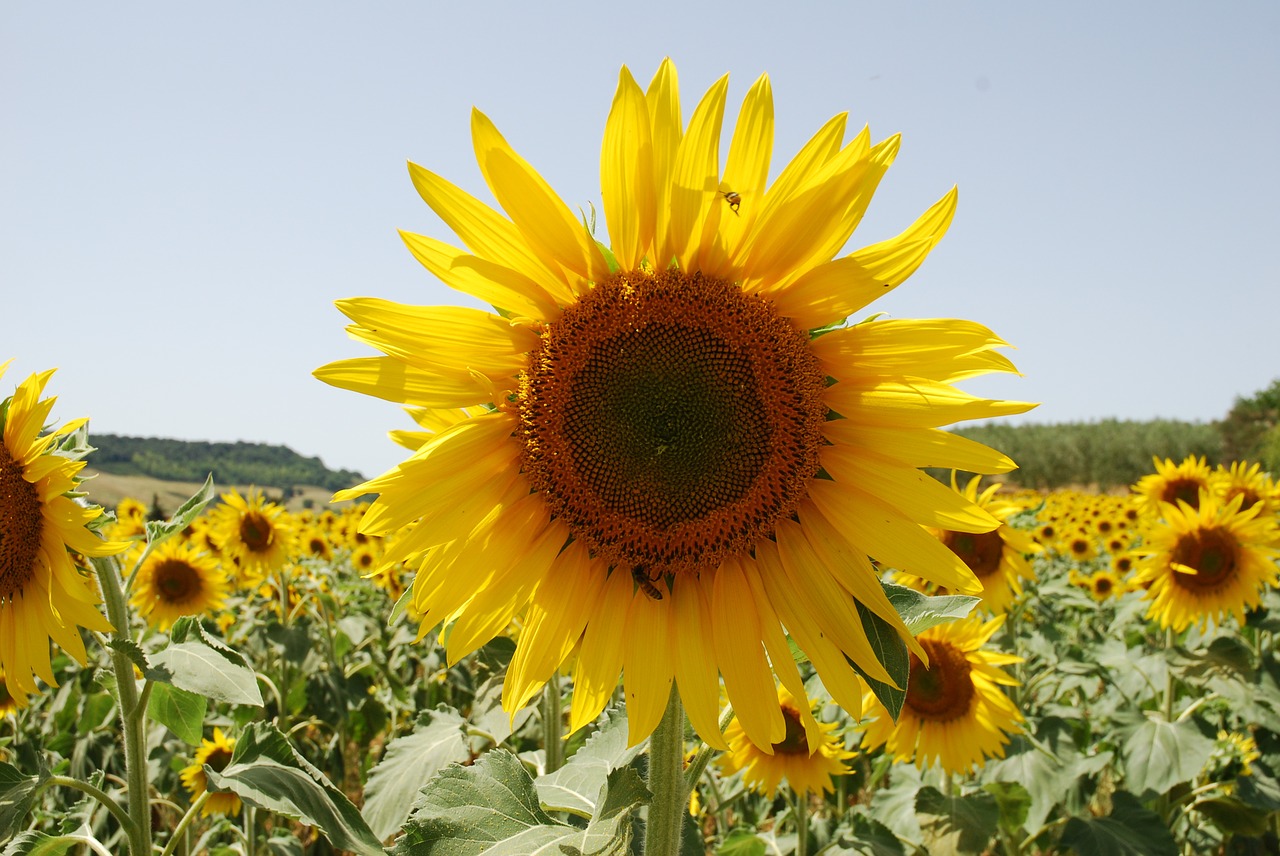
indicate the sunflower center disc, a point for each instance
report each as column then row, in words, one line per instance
column 176, row 581
column 255, row 532
column 1212, row 553
column 981, row 551
column 796, row 742
column 671, row 420
column 23, row 517
column 943, row 691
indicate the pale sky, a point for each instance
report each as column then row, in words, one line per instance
column 185, row 189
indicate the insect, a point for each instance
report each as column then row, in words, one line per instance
column 642, row 579
column 733, row 198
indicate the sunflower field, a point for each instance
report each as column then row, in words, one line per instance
column 664, row 569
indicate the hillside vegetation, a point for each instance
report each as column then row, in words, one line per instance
column 231, row 463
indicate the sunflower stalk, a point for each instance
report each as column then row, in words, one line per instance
column 666, row 781
column 132, row 713
column 180, row 831
column 551, row 724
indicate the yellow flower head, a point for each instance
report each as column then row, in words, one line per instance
column 217, row 754
column 43, row 595
column 807, row 757
column 955, row 713
column 176, row 580
column 1204, row 563
column 256, row 535
column 1171, row 483
column 675, row 447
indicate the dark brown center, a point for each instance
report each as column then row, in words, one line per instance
column 943, row 691
column 1212, row 552
column 23, row 522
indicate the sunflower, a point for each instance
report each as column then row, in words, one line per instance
column 1251, row 483
column 256, row 535
column 1203, row 563
column 955, row 712
column 682, row 448
column 1173, row 482
column 42, row 594
column 807, row 766
column 1103, row 585
column 217, row 754
column 997, row 558
column 176, row 580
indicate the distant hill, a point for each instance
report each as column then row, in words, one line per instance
column 231, row 463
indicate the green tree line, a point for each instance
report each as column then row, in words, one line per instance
column 231, row 463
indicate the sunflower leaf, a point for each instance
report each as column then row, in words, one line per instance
column 266, row 772
column 1160, row 754
column 575, row 786
column 891, row 651
column 968, row 822
column 198, row 662
column 40, row 844
column 492, row 808
column 920, row 612
column 17, row 795
column 409, row 763
column 159, row 530
column 1130, row 830
column 180, row 711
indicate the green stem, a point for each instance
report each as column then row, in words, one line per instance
column 552, row 723
column 181, row 828
column 698, row 765
column 801, row 809
column 98, row 794
column 1168, row 672
column 666, row 781
column 133, row 715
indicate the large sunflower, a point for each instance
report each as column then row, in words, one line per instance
column 682, row 449
column 42, row 594
column 178, row 579
column 955, row 713
column 1200, row 564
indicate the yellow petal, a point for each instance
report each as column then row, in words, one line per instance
column 391, row 380
column 549, row 227
column 499, row 286
column 694, row 180
column 595, row 676
column 748, row 680
column 626, row 175
column 833, row 291
column 696, row 674
column 647, row 664
column 487, row 233
column 663, row 99
column 913, row 403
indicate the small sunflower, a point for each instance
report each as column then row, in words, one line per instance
column 1173, row 482
column 1104, row 585
column 217, row 754
column 807, row 757
column 997, row 558
column 176, row 580
column 1252, row 483
column 256, row 535
column 679, row 446
column 1201, row 564
column 955, row 712
column 42, row 594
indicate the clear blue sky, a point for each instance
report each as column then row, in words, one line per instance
column 185, row 189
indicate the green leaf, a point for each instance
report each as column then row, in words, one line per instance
column 742, row 842
column 40, row 844
column 1013, row 801
column 492, row 808
column 487, row 714
column 576, row 786
column 266, row 772
column 892, row 653
column 198, row 662
column 180, row 711
column 964, row 824
column 409, row 763
column 1130, row 830
column 1159, row 755
column 920, row 612
column 17, row 795
column 1234, row 817
column 868, row 837
column 895, row 805
column 132, row 650
column 158, row 531
column 1259, row 790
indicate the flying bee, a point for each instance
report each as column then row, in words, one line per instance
column 646, row 583
column 733, row 198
